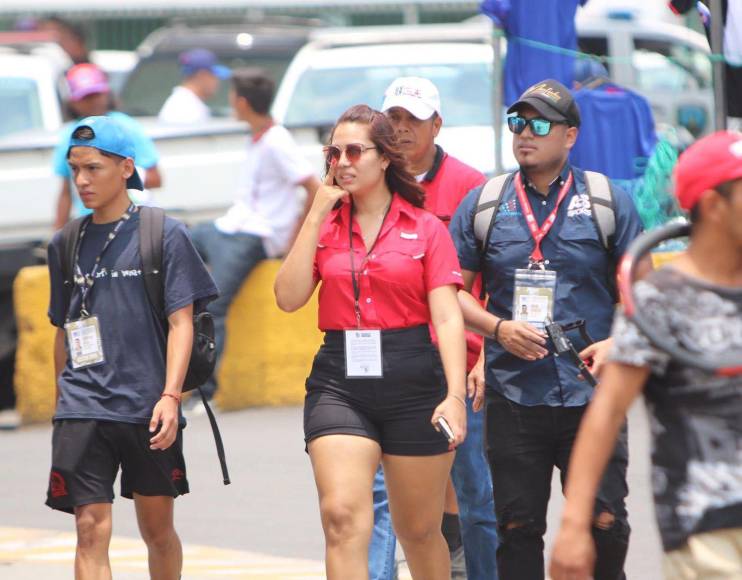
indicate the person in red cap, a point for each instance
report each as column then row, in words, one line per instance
column 90, row 96
column 696, row 416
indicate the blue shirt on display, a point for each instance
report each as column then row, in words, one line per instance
column 584, row 289
column 617, row 133
column 146, row 155
column 551, row 22
column 128, row 384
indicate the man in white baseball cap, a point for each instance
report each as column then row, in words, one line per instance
column 413, row 106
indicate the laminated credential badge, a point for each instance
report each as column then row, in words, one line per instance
column 363, row 354
column 84, row 341
column 533, row 298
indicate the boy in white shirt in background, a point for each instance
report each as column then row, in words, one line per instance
column 263, row 218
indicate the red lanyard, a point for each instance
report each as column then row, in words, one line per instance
column 539, row 233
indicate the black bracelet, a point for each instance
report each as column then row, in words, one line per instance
column 497, row 330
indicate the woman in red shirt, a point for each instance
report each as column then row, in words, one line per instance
column 377, row 385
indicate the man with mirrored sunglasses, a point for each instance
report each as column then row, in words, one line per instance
column 543, row 257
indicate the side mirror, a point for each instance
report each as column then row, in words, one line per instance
column 693, row 117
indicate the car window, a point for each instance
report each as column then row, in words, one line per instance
column 151, row 82
column 322, row 95
column 597, row 46
column 19, row 102
column 665, row 66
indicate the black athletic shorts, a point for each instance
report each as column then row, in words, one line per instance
column 394, row 410
column 87, row 453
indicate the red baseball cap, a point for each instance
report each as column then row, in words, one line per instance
column 708, row 162
column 86, row 79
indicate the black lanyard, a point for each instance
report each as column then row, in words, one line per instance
column 86, row 281
column 356, row 282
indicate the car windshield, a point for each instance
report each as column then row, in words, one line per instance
column 322, row 95
column 152, row 81
column 19, row 102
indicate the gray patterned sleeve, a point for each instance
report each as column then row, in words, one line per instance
column 630, row 345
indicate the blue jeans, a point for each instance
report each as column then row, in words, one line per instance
column 231, row 258
column 473, row 485
column 382, row 551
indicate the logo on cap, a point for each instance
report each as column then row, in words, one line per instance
column 736, row 148
column 408, row 91
column 545, row 90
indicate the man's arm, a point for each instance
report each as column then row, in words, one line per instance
column 573, row 556
column 311, row 185
column 179, row 344
column 64, row 204
column 518, row 338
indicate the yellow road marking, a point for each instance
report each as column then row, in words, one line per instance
column 33, row 546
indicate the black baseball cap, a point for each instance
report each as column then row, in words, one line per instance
column 552, row 100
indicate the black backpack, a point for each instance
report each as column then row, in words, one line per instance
column 203, row 353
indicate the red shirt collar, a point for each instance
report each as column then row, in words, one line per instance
column 259, row 135
column 399, row 206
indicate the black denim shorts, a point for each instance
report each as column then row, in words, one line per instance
column 87, row 454
column 394, row 410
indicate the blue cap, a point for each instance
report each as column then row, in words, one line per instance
column 589, row 68
column 198, row 59
column 111, row 137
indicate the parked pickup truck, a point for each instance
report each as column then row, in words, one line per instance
column 199, row 166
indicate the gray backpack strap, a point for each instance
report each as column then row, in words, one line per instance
column 487, row 206
column 601, row 205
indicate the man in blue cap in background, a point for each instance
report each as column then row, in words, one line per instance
column 202, row 75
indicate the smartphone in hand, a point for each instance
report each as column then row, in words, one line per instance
column 445, row 429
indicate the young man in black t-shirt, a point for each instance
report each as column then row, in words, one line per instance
column 119, row 374
column 696, row 416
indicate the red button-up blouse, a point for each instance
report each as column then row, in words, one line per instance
column 413, row 255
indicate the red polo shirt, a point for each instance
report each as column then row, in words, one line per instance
column 413, row 255
column 446, row 184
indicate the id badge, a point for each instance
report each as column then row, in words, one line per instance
column 84, row 340
column 533, row 298
column 363, row 354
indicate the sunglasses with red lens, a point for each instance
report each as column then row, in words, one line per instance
column 353, row 152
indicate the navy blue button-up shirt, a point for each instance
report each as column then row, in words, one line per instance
column 585, row 280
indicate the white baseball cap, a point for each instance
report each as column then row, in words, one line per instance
column 417, row 95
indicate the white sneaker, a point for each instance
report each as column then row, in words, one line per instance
column 9, row 419
column 458, row 564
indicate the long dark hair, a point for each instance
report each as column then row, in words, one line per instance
column 381, row 133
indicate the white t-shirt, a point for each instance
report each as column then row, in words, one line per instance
column 182, row 107
column 268, row 205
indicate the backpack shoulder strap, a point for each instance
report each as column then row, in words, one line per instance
column 70, row 237
column 488, row 205
column 601, row 205
column 151, row 237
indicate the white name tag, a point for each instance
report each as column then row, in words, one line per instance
column 84, row 341
column 533, row 299
column 363, row 354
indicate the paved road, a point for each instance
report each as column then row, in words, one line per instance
column 263, row 526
